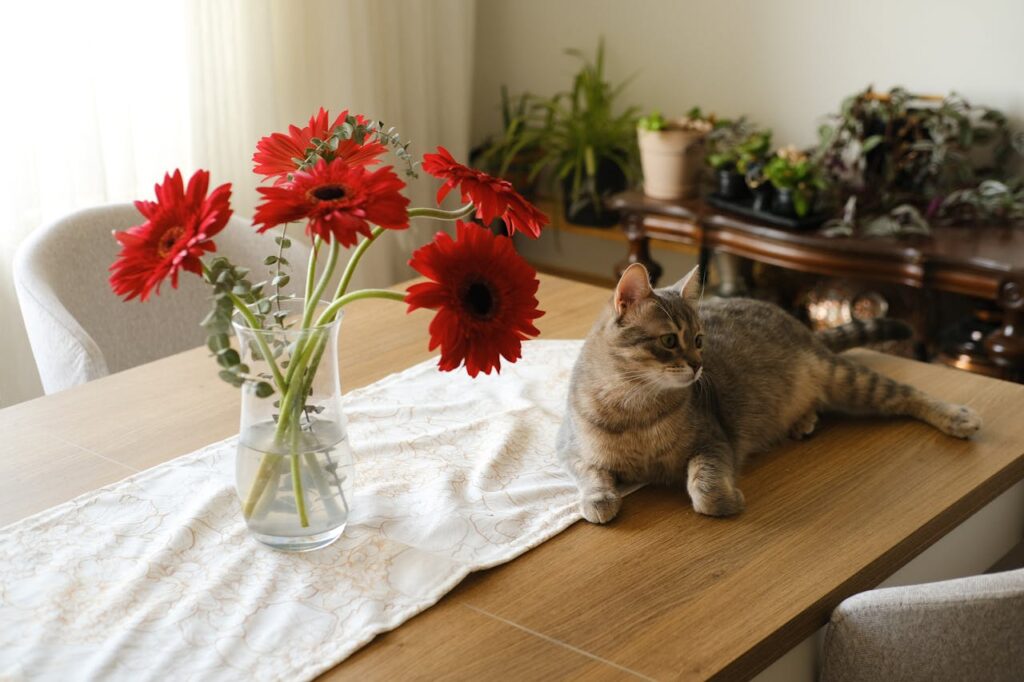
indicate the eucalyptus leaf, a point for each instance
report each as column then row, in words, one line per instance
column 218, row 342
column 228, row 357
column 232, row 379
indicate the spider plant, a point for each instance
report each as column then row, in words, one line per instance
column 583, row 137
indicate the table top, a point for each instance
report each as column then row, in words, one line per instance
column 971, row 260
column 661, row 592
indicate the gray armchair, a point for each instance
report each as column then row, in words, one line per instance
column 965, row 629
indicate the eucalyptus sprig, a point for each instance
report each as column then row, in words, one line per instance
column 361, row 132
column 231, row 292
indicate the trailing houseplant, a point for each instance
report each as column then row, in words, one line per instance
column 293, row 452
column 672, row 153
column 887, row 150
column 991, row 201
column 797, row 180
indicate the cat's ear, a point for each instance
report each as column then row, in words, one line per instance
column 689, row 287
column 633, row 286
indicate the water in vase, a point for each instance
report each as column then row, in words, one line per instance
column 266, row 469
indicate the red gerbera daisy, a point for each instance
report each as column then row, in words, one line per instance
column 339, row 201
column 484, row 294
column 493, row 197
column 276, row 154
column 178, row 230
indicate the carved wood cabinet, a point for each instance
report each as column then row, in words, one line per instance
column 984, row 262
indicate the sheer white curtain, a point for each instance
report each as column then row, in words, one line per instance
column 93, row 112
column 103, row 97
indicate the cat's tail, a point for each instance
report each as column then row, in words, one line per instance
column 859, row 333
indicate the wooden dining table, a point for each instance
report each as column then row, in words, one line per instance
column 661, row 592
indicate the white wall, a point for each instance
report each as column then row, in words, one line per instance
column 785, row 62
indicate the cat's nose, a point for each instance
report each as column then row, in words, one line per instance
column 694, row 365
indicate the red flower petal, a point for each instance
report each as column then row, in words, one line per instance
column 339, row 200
column 484, row 294
column 178, row 230
column 493, row 197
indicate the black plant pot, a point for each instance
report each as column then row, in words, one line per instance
column 782, row 203
column 610, row 180
column 763, row 196
column 731, row 185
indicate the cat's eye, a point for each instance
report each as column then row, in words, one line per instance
column 669, row 340
column 698, row 341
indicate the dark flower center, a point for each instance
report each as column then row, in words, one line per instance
column 329, row 192
column 478, row 300
column 168, row 239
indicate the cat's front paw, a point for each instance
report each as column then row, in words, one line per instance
column 961, row 421
column 804, row 426
column 720, row 502
column 600, row 507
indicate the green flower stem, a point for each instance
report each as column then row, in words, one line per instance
column 253, row 323
column 314, row 298
column 296, row 384
column 311, row 268
column 301, row 371
column 300, row 497
column 353, row 261
column 268, row 469
column 262, row 504
column 288, row 419
column 328, row 315
column 439, row 214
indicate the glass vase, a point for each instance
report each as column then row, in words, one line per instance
column 293, row 468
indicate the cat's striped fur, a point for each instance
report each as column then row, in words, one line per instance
column 645, row 408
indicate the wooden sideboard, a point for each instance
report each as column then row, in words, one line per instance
column 981, row 262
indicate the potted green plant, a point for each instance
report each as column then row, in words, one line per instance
column 511, row 154
column 672, row 153
column 586, row 145
column 752, row 159
column 796, row 178
column 734, row 147
column 887, row 150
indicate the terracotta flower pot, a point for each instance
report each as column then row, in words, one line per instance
column 672, row 160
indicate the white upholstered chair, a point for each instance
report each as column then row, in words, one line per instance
column 78, row 328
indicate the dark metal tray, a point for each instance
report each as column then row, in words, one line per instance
column 745, row 209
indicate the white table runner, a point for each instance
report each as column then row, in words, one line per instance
column 155, row 577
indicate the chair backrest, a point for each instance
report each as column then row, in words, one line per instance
column 962, row 629
column 79, row 330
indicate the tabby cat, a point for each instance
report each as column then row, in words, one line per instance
column 670, row 389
